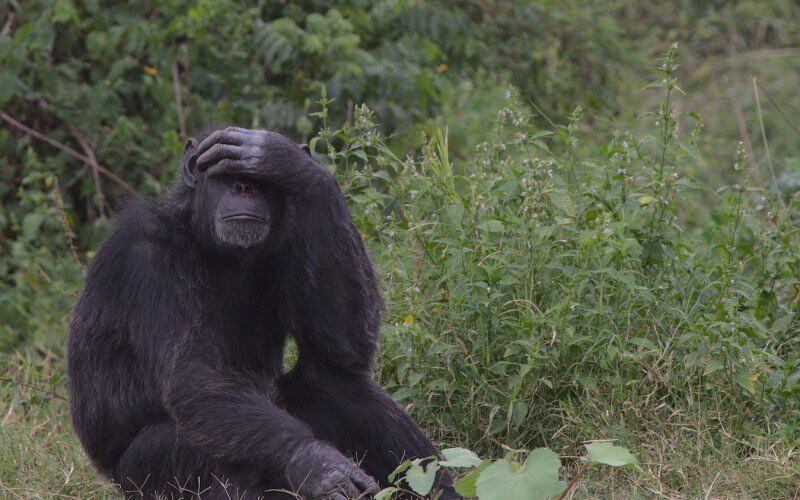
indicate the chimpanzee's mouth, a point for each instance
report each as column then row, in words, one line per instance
column 243, row 217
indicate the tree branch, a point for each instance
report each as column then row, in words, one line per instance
column 176, row 88
column 98, row 187
column 66, row 149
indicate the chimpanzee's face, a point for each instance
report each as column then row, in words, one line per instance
column 243, row 210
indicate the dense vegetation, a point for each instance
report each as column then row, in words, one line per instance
column 568, row 253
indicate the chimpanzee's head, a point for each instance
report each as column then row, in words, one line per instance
column 230, row 211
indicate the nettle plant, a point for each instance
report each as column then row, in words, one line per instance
column 544, row 276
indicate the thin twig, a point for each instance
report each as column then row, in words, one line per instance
column 68, row 232
column 37, row 387
column 176, row 88
column 12, row 16
column 766, row 143
column 186, row 84
column 574, row 480
column 38, row 135
column 349, row 117
column 98, row 187
column 778, row 108
column 733, row 91
column 708, row 493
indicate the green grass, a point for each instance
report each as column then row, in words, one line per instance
column 688, row 454
column 39, row 455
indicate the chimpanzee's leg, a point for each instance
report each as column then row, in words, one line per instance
column 158, row 464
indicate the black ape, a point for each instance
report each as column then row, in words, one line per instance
column 175, row 350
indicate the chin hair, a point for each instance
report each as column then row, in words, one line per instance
column 242, row 234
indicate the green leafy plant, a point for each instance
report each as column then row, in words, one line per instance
column 504, row 479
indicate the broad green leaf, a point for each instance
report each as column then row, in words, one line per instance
column 609, row 454
column 459, row 457
column 466, row 485
column 420, row 478
column 536, row 478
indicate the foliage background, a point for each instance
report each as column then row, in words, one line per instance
column 551, row 276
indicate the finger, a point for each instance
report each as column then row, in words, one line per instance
column 224, row 136
column 365, row 482
column 227, row 167
column 257, row 137
column 347, row 488
column 248, row 131
column 216, row 153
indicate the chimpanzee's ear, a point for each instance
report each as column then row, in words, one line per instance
column 188, row 163
column 305, row 148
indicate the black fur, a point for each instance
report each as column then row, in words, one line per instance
column 176, row 381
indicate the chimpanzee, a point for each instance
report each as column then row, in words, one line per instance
column 176, row 383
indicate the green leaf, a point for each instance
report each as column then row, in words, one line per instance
column 609, row 454
column 30, row 225
column 712, row 366
column 466, row 486
column 386, row 493
column 745, row 380
column 9, row 85
column 644, row 343
column 399, row 470
column 536, row 478
column 518, row 412
column 420, row 478
column 64, row 10
column 454, row 214
column 459, row 457
column 492, row 226
column 646, row 200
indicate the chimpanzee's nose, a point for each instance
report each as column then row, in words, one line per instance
column 241, row 188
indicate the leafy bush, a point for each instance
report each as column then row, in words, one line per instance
column 536, row 288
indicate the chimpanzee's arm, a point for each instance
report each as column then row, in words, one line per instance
column 327, row 273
